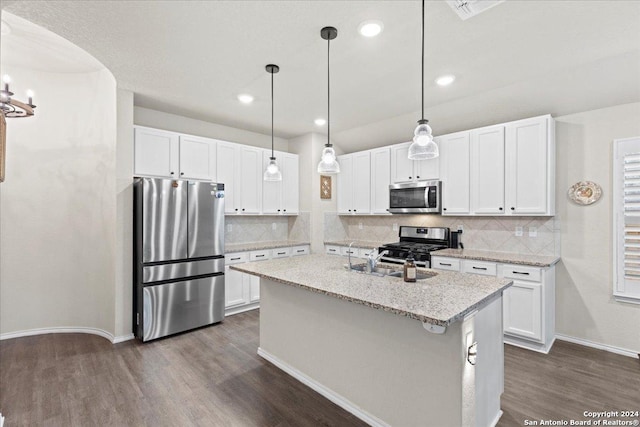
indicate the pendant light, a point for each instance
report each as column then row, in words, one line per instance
column 328, row 164
column 423, row 147
column 272, row 173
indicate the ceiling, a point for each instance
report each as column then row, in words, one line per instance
column 194, row 57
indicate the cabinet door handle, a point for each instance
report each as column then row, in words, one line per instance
column 259, row 256
column 171, row 173
column 448, row 265
column 520, row 272
column 285, row 210
column 418, row 177
column 242, row 209
column 444, row 209
column 479, row 268
column 355, row 210
column 300, row 250
column 281, row 253
column 513, row 209
column 234, row 259
column 236, row 209
column 181, row 173
column 500, row 208
column 278, row 210
column 410, row 177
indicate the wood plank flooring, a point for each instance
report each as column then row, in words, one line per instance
column 213, row 377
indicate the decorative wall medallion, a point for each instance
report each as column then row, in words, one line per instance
column 325, row 187
column 585, row 192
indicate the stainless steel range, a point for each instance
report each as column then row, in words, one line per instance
column 420, row 241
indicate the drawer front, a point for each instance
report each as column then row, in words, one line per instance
column 236, row 258
column 281, row 253
column 521, row 272
column 345, row 250
column 260, row 255
column 333, row 250
column 450, row 264
column 364, row 252
column 300, row 250
column 479, row 267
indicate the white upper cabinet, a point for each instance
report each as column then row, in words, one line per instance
column 170, row 155
column 405, row 170
column 354, row 183
column 250, row 180
column 227, row 162
column 380, row 180
column 454, row 159
column 530, row 167
column 197, row 158
column 240, row 170
column 156, row 153
column 281, row 197
column 487, row 170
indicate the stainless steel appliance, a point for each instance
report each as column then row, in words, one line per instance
column 421, row 241
column 415, row 197
column 178, row 256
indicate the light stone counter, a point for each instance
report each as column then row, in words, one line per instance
column 441, row 299
column 502, row 257
column 366, row 244
column 256, row 246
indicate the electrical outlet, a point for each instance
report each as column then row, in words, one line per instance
column 519, row 231
column 229, row 228
column 359, row 226
column 395, row 226
column 273, row 226
column 533, row 232
column 460, row 227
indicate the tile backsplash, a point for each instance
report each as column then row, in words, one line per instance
column 480, row 233
column 251, row 229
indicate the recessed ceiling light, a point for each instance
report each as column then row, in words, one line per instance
column 370, row 28
column 320, row 122
column 245, row 98
column 445, row 80
column 4, row 28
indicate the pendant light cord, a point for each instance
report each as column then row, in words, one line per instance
column 328, row 94
column 272, row 115
column 422, row 81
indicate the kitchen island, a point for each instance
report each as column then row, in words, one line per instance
column 390, row 352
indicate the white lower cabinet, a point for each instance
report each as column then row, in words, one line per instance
column 242, row 290
column 355, row 251
column 528, row 305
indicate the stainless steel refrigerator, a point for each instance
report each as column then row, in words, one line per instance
column 178, row 256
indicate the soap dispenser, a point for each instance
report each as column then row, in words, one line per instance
column 410, row 271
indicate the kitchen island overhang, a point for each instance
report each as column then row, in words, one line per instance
column 375, row 358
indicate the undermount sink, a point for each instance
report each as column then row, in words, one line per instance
column 381, row 271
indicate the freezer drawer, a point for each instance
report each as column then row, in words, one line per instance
column 178, row 270
column 180, row 306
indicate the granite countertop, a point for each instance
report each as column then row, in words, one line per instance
column 366, row 244
column 503, row 257
column 441, row 299
column 256, row 246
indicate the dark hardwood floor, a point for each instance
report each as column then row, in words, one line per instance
column 213, row 377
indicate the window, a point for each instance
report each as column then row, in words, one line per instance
column 626, row 219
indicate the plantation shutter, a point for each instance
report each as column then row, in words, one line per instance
column 626, row 214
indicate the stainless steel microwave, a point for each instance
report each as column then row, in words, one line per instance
column 415, row 197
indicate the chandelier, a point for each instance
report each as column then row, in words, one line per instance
column 11, row 107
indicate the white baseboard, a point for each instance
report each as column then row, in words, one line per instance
column 122, row 338
column 495, row 421
column 324, row 391
column 66, row 330
column 529, row 345
column 241, row 309
column 606, row 347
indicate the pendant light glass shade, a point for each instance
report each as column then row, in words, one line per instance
column 272, row 173
column 423, row 147
column 328, row 164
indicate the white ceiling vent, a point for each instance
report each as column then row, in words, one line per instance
column 469, row 8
